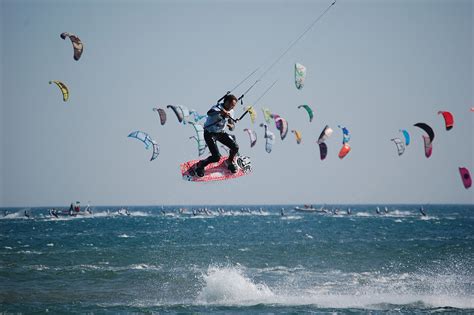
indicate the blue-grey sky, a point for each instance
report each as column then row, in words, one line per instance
column 372, row 66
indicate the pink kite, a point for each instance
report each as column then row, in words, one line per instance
column 466, row 177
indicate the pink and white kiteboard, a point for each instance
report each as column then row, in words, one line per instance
column 216, row 171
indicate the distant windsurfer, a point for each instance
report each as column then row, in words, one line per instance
column 88, row 209
column 53, row 212
column 423, row 213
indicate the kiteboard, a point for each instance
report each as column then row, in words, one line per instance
column 216, row 171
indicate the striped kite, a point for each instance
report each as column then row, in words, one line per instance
column 199, row 137
column 64, row 89
column 146, row 139
column 400, row 145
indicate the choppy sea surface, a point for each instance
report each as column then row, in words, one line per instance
column 238, row 259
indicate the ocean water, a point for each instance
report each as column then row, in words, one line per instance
column 241, row 259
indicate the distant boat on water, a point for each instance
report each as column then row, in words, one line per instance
column 309, row 208
column 74, row 210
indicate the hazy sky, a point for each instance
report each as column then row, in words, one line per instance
column 373, row 66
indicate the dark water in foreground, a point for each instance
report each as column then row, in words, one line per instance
column 240, row 261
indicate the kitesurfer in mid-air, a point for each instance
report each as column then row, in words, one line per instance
column 218, row 117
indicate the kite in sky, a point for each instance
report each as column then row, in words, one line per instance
column 64, row 89
column 345, row 145
column 252, row 112
column 270, row 136
column 282, row 126
column 267, row 114
column 400, row 145
column 181, row 112
column 428, row 139
column 162, row 114
column 325, row 134
column 146, row 139
column 253, row 136
column 308, row 110
column 448, row 119
column 76, row 44
column 201, row 143
column 297, row 136
column 466, row 177
column 406, row 135
column 300, row 75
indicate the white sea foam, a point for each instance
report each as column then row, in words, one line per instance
column 15, row 215
column 39, row 267
column 428, row 218
column 390, row 214
column 291, row 217
column 144, row 267
column 29, row 252
column 106, row 267
column 334, row 289
column 139, row 214
column 364, row 214
column 101, row 214
column 399, row 213
column 229, row 286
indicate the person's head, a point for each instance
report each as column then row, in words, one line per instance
column 230, row 101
